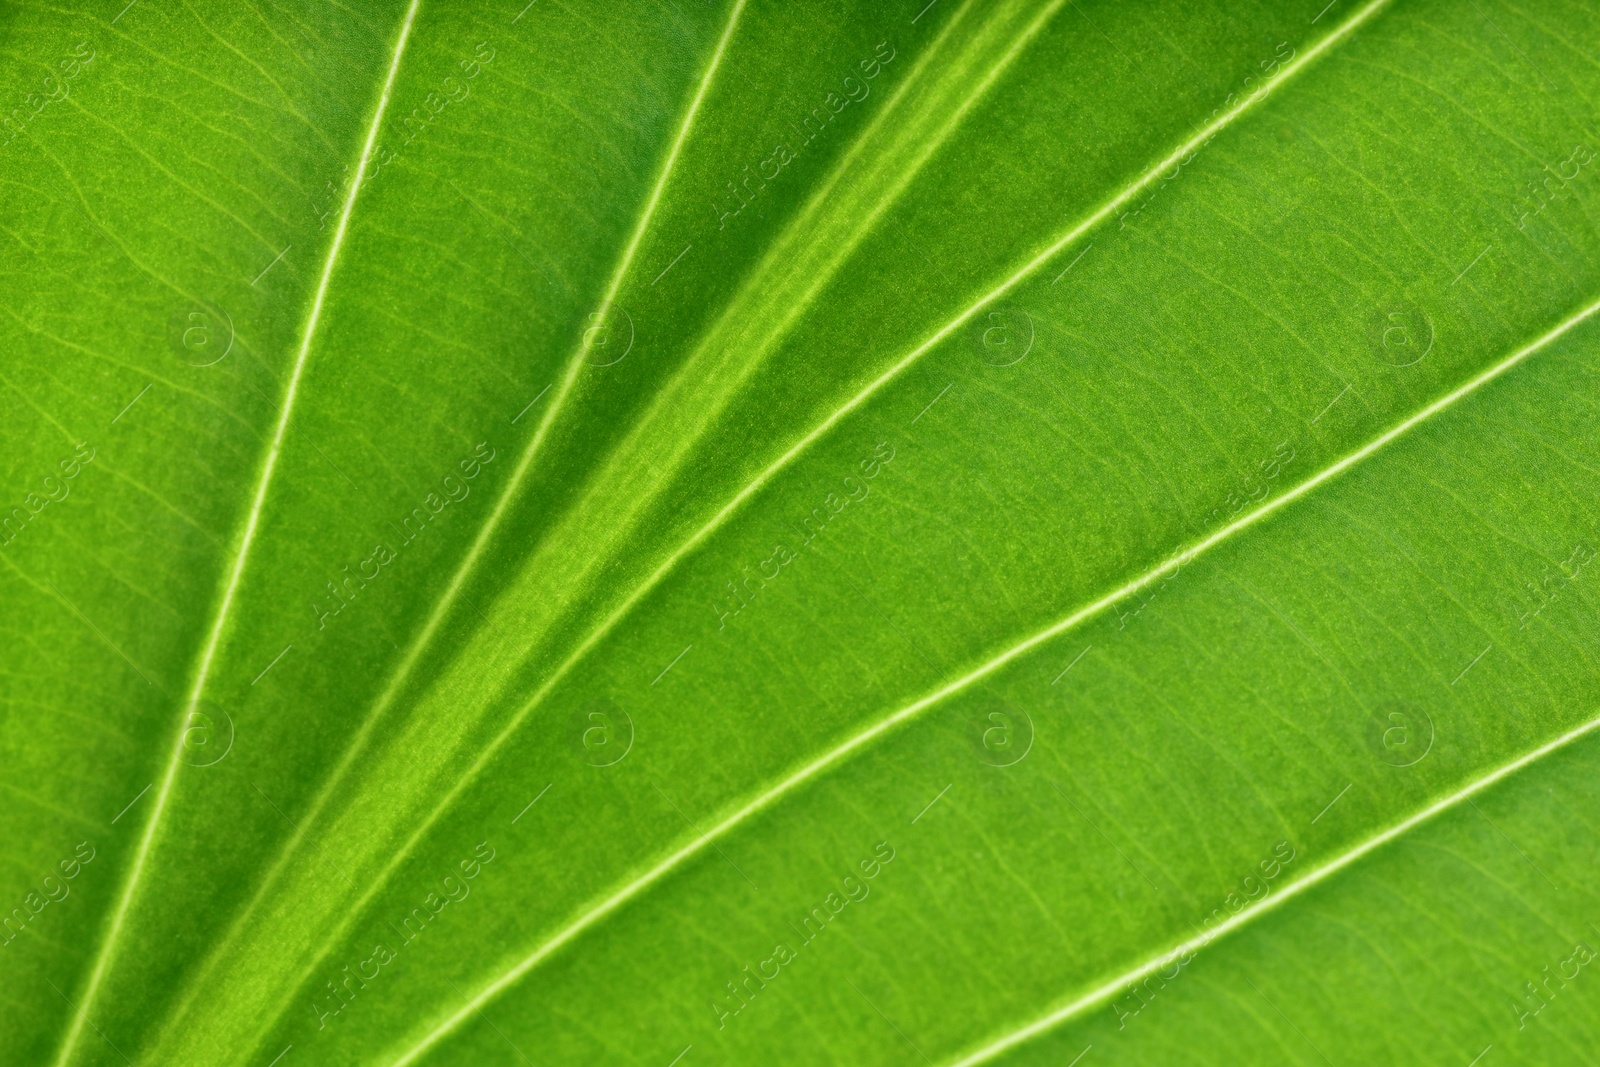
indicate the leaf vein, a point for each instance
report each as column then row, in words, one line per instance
column 235, row 573
column 839, row 753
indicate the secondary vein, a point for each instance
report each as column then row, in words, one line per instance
column 446, row 601
column 810, row 770
column 235, row 572
column 839, row 753
column 1110, row 987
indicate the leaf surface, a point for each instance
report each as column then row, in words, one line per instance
column 985, row 531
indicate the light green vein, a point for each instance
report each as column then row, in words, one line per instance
column 1114, row 985
column 446, row 601
column 816, row 767
column 234, row 574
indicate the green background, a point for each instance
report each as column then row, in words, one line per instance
column 1122, row 446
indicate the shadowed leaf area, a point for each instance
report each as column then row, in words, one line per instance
column 695, row 532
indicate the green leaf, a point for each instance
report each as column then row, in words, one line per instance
column 955, row 532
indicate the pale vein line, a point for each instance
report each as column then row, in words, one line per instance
column 132, row 402
column 458, row 580
column 236, row 572
column 824, row 193
column 1080, row 1056
column 1480, row 1055
column 131, row 803
column 285, row 816
column 280, row 1055
column 532, row 402
column 79, row 1010
column 1071, row 665
column 1514, row 845
column 1110, row 988
column 1108, row 840
column 805, row 773
column 1332, row 402
column 686, row 1049
column 90, row 623
column 1510, row 42
column 1288, row 1020
column 1474, row 663
column 1297, row 632
column 671, row 665
column 932, row 402
column 696, row 829
column 674, row 262
column 501, row 233
column 924, row 11
column 574, row 366
column 931, row 803
column 597, row 634
column 827, row 424
column 273, row 664
column 604, row 907
column 1331, row 803
column 890, row 1021
column 1474, row 263
column 532, row 802
column 497, row 1030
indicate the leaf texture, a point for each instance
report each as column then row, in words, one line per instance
column 983, row 531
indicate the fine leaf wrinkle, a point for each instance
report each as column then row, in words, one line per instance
column 881, row 442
